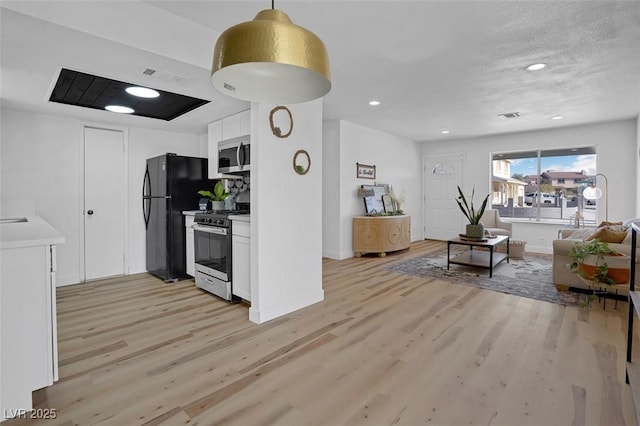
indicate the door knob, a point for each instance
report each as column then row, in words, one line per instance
column 90, row 212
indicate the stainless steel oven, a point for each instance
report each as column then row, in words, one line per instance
column 212, row 241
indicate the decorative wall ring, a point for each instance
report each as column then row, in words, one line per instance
column 275, row 129
column 301, row 162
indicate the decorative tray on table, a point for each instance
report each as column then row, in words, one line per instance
column 476, row 239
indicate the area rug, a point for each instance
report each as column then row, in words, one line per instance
column 529, row 277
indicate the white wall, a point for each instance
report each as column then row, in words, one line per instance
column 617, row 149
column 637, row 157
column 40, row 170
column 332, row 231
column 286, row 214
column 41, row 159
column 397, row 160
column 204, row 146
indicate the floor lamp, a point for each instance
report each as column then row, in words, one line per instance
column 594, row 193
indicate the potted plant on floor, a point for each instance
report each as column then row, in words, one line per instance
column 217, row 196
column 474, row 229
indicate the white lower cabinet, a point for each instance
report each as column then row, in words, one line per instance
column 190, row 242
column 241, row 259
column 28, row 326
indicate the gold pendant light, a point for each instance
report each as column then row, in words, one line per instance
column 271, row 60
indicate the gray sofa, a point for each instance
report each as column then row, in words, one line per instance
column 563, row 278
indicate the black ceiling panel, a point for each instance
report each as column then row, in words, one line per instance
column 90, row 91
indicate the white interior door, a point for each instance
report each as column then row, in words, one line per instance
column 104, row 203
column 442, row 175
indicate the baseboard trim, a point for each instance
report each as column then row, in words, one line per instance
column 261, row 315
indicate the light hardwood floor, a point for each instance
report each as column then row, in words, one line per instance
column 381, row 349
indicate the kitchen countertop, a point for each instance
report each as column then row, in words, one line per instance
column 190, row 212
column 240, row 217
column 28, row 231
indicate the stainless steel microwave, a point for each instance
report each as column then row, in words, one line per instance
column 234, row 155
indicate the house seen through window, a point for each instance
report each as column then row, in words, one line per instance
column 544, row 185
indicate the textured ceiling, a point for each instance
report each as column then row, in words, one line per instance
column 434, row 65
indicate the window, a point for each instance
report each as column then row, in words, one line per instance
column 544, row 185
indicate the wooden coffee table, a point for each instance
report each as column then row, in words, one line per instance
column 486, row 259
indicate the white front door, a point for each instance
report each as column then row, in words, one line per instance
column 104, row 202
column 442, row 175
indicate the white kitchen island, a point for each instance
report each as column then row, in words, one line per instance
column 28, row 331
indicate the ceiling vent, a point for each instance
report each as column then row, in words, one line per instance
column 509, row 115
column 92, row 91
column 164, row 75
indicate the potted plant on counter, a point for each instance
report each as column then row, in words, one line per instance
column 475, row 229
column 217, row 197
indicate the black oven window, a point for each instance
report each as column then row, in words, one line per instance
column 211, row 250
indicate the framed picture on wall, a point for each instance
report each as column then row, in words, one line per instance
column 364, row 171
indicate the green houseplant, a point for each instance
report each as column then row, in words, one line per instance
column 474, row 228
column 217, row 197
column 597, row 261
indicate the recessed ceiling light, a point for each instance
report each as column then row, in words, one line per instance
column 142, row 92
column 536, row 67
column 445, row 132
column 119, row 109
column 374, row 103
column 557, row 117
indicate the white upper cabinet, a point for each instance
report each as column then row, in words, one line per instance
column 236, row 125
column 214, row 136
column 245, row 122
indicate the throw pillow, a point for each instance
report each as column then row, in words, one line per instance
column 607, row 235
column 612, row 226
column 605, row 223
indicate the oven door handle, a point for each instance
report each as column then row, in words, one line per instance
column 210, row 229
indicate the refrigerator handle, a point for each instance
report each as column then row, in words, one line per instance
column 146, row 211
column 146, row 207
column 146, row 183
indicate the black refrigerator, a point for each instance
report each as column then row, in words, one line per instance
column 171, row 185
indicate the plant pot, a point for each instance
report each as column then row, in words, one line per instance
column 618, row 267
column 217, row 205
column 475, row 231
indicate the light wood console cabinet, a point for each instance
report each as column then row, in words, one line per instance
column 381, row 234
